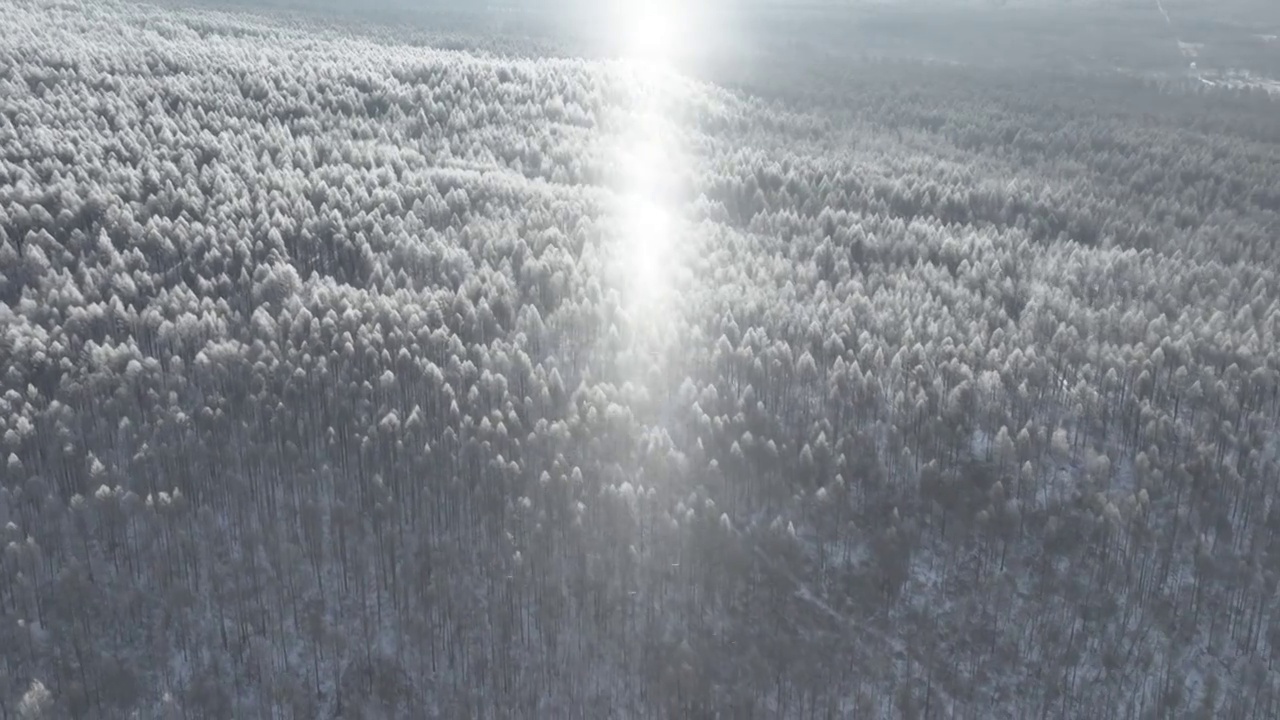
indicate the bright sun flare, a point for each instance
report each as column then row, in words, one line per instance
column 654, row 31
column 648, row 241
column 651, row 36
column 647, row 222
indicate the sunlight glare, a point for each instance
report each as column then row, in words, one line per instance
column 647, row 251
column 651, row 37
column 653, row 31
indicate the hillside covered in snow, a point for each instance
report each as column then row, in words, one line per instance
column 363, row 372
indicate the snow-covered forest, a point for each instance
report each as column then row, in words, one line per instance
column 345, row 377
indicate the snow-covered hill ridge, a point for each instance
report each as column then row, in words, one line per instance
column 341, row 377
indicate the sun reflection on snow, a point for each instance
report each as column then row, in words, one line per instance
column 654, row 31
column 647, row 226
column 647, row 161
column 650, row 170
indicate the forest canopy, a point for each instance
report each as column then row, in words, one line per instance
column 344, row 376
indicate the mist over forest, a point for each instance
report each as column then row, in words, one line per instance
column 733, row 359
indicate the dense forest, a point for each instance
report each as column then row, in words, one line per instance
column 344, row 377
